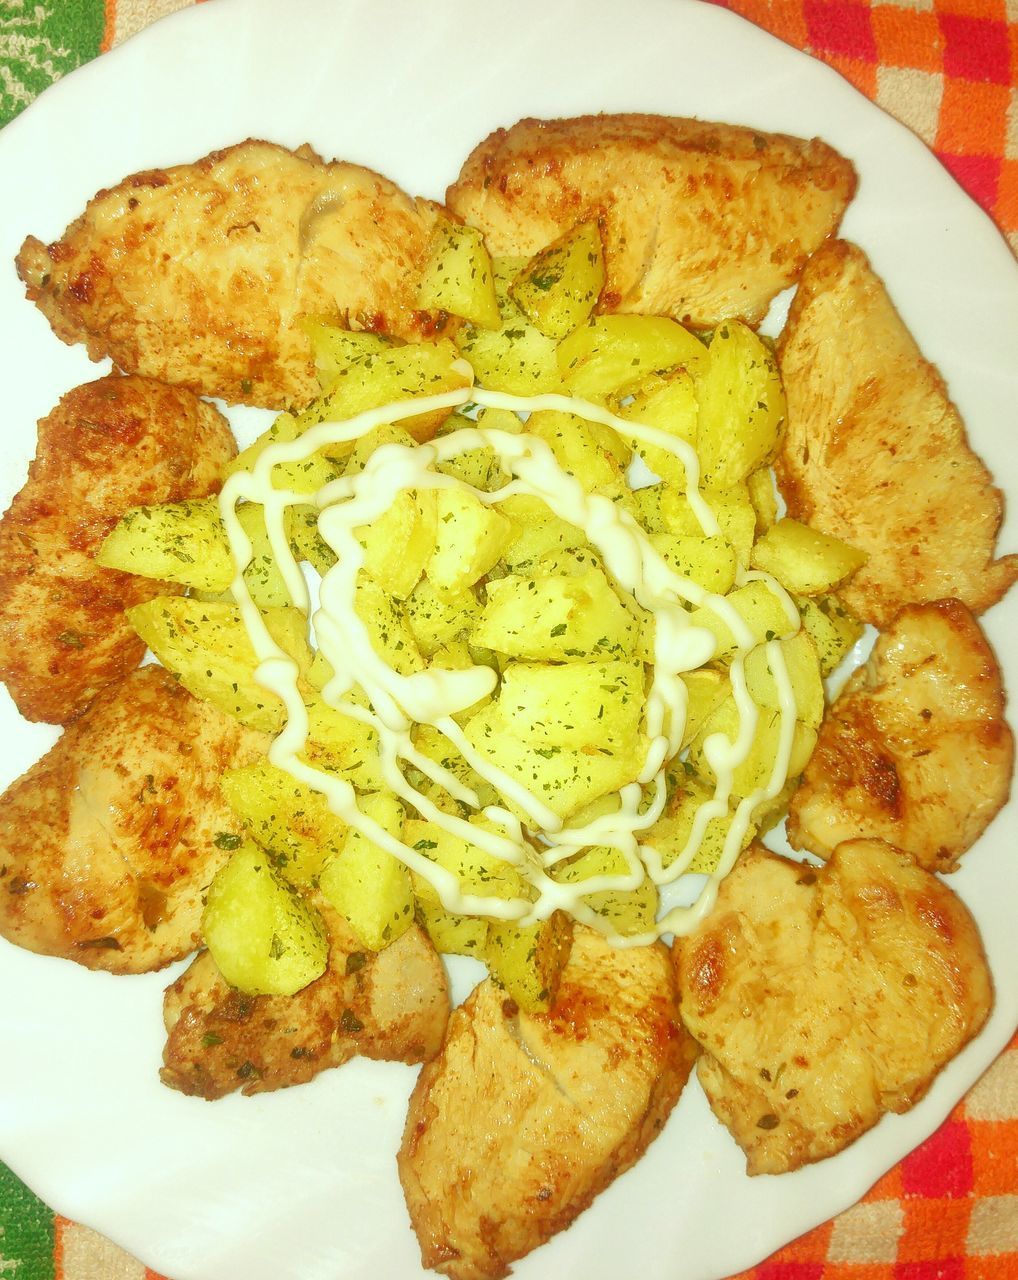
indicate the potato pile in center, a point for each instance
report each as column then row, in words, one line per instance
column 450, row 581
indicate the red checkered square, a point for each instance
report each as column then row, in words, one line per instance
column 942, row 1166
column 933, row 1269
column 790, row 1271
column 979, row 175
column 840, row 28
column 975, row 48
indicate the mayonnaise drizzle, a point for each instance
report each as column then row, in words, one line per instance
column 399, row 701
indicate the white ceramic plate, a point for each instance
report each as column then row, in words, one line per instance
column 303, row 1183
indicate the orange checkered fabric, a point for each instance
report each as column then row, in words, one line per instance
column 946, row 68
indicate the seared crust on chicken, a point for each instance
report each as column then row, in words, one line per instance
column 823, row 998
column 875, row 452
column 109, row 445
column 200, row 274
column 916, row 750
column 524, row 1118
column 393, row 1005
column 703, row 222
column 107, row 844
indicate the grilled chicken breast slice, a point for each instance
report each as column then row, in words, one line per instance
column 874, row 451
column 391, row 1004
column 109, row 445
column 916, row 750
column 703, row 222
column 522, row 1119
column 107, row 844
column 201, row 273
column 823, row 998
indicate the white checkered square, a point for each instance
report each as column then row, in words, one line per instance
column 868, row 1233
column 913, row 97
column 993, row 1227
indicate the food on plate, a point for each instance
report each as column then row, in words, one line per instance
column 107, row 446
column 916, row 750
column 200, row 274
column 523, row 1119
column 823, row 998
column 471, row 682
column 703, row 222
column 531, row 584
column 876, row 453
column 392, row 1004
column 108, row 843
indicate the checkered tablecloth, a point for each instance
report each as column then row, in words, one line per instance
column 948, row 69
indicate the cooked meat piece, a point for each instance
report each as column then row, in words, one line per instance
column 107, row 844
column 200, row 274
column 524, row 1118
column 823, row 998
column 876, row 453
column 916, row 751
column 393, row 1005
column 107, row 446
column 703, row 222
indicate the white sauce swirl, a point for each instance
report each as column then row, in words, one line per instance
column 434, row 696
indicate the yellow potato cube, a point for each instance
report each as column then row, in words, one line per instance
column 206, row 644
column 608, row 355
column 556, row 619
column 368, row 380
column 709, row 562
column 803, row 559
column 667, row 402
column 759, row 608
column 339, row 744
column 366, row 884
column 559, row 287
column 181, row 542
column 754, row 772
column 670, row 834
column 517, row 357
column 264, row 937
column 628, row 911
column 452, row 934
column 736, row 518
column 528, row 962
column 832, row 627
column 742, row 405
column 307, row 475
column 437, row 619
column 457, row 276
column 478, row 872
column 563, row 779
column 358, row 454
column 387, row 627
column 433, row 744
column 763, row 496
column 804, row 673
column 399, row 544
column 706, row 689
column 291, row 821
column 334, row 349
column 575, row 705
column 595, row 455
column 306, row 542
column 536, row 529
column 469, row 538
